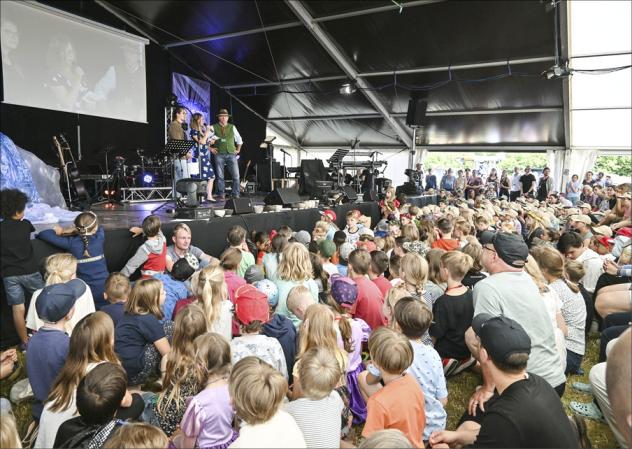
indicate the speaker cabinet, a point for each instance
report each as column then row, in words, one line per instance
column 240, row 206
column 349, row 194
column 371, row 195
column 416, row 115
column 283, row 196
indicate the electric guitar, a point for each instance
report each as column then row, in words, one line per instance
column 77, row 194
column 244, row 183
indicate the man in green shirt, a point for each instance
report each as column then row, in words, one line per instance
column 226, row 148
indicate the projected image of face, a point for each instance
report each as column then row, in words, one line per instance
column 10, row 37
column 68, row 54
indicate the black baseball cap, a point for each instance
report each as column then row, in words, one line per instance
column 511, row 248
column 501, row 336
column 55, row 301
column 182, row 269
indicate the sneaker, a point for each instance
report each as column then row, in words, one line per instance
column 463, row 365
column 587, row 410
column 449, row 365
column 582, row 386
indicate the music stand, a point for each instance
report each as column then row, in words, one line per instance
column 175, row 149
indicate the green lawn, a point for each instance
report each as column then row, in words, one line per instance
column 460, row 388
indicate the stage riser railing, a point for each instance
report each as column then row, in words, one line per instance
column 146, row 194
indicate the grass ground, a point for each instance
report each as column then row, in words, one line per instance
column 460, row 389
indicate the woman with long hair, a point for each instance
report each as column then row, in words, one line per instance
column 271, row 259
column 505, row 185
column 202, row 134
column 573, row 307
column 436, row 284
column 295, row 268
column 91, row 343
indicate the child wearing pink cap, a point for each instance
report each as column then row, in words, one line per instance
column 352, row 333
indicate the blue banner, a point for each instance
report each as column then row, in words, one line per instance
column 193, row 93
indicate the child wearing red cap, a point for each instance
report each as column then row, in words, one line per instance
column 252, row 312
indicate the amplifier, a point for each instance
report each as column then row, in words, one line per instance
column 197, row 213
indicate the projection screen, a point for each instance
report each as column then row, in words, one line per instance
column 56, row 60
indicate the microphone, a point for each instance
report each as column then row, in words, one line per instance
column 284, row 152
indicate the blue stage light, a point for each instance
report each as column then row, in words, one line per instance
column 147, row 178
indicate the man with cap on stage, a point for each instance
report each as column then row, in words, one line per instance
column 226, row 149
column 510, row 291
column 525, row 411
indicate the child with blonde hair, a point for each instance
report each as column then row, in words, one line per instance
column 86, row 241
column 9, row 436
column 117, row 290
column 295, row 268
column 90, row 345
column 211, row 294
column 399, row 404
column 453, row 313
column 208, row 419
column 141, row 339
column 412, row 318
column 318, row 412
column 257, row 391
column 137, row 435
column 182, row 375
column 61, row 268
column 392, row 297
column 320, row 230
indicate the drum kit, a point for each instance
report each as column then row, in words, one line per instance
column 151, row 171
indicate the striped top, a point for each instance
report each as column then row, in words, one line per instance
column 318, row 420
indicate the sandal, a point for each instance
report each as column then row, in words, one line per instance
column 582, row 386
column 587, row 410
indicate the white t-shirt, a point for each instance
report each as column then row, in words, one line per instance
column 593, row 264
column 280, row 431
column 553, row 305
column 515, row 183
column 330, row 268
column 51, row 421
column 84, row 306
column 224, row 323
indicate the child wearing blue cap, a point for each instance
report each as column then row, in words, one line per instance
column 48, row 348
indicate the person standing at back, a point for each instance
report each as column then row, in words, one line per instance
column 527, row 183
column 515, row 185
column 226, row 149
column 510, row 291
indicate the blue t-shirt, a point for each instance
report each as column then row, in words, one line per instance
column 46, row 354
column 132, row 334
column 93, row 269
column 174, row 290
column 428, row 370
column 115, row 311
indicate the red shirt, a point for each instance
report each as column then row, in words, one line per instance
column 368, row 305
column 447, row 244
column 383, row 284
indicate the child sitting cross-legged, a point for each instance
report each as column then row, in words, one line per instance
column 208, row 420
column 399, row 404
column 98, row 397
column 257, row 391
column 60, row 268
column 117, row 290
column 318, row 412
column 413, row 318
column 141, row 339
column 453, row 313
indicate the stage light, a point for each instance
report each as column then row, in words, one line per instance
column 347, row 89
column 147, row 178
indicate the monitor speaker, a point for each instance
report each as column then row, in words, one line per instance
column 240, row 206
column 349, row 194
column 371, row 195
column 285, row 196
column 312, row 171
column 416, row 115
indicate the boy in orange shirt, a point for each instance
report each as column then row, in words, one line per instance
column 399, row 404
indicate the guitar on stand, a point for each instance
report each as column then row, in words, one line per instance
column 78, row 197
column 244, row 182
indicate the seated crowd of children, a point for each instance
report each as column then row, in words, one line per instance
column 325, row 337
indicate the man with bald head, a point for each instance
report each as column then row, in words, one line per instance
column 619, row 385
